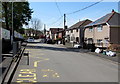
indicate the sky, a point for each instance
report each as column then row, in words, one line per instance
column 49, row 12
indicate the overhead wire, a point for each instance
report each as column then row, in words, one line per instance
column 84, row 8
column 56, row 20
column 73, row 11
column 60, row 14
column 60, row 23
column 58, row 7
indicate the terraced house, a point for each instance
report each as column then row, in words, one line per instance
column 104, row 31
column 75, row 33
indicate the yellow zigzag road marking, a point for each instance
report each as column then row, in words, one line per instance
column 27, row 75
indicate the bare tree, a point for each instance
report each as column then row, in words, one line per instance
column 36, row 25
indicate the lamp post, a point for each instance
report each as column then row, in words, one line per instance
column 12, row 34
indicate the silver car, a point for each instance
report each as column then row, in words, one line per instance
column 30, row 39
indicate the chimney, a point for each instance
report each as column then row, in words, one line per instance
column 113, row 11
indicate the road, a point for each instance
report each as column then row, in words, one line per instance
column 52, row 63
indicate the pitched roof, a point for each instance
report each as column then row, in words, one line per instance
column 80, row 24
column 111, row 19
column 60, row 31
column 55, row 30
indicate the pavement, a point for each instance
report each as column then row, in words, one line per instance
column 4, row 64
column 55, row 63
column 8, row 64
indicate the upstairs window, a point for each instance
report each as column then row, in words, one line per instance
column 99, row 28
column 90, row 29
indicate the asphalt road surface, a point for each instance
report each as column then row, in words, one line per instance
column 52, row 63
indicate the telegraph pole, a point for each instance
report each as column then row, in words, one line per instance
column 64, row 20
column 44, row 32
column 64, row 29
column 44, row 28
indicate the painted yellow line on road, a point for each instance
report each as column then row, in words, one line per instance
column 27, row 75
column 47, row 59
column 45, row 75
column 46, row 70
column 23, row 80
column 27, row 49
column 30, row 70
column 41, row 59
column 56, row 75
column 41, row 54
column 36, row 63
column 50, row 73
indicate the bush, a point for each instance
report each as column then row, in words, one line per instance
column 59, row 39
column 114, row 47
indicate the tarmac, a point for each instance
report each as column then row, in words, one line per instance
column 114, row 58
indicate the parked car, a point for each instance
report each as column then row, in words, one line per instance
column 49, row 41
column 77, row 46
column 30, row 39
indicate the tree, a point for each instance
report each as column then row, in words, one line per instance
column 36, row 25
column 0, row 14
column 6, row 14
column 21, row 14
column 22, row 30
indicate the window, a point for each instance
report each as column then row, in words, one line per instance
column 99, row 28
column 76, row 30
column 90, row 29
column 72, row 37
column 71, row 31
column 68, row 38
column 77, row 39
column 90, row 41
column 99, row 41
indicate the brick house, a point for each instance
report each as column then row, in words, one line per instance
column 53, row 33
column 75, row 33
column 32, row 33
column 60, row 34
column 103, row 31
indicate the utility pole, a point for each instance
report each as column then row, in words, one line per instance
column 44, row 32
column 44, row 29
column 64, row 20
column 64, row 29
column 12, row 35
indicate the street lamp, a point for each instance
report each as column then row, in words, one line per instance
column 12, row 36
